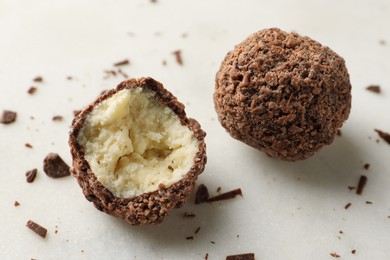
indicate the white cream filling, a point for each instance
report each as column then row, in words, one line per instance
column 133, row 143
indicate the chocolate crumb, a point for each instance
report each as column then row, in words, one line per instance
column 339, row 133
column 366, row 166
column 38, row 79
column 351, row 188
column 353, row 251
column 218, row 189
column 348, row 205
column 368, row 202
column 16, row 204
column 55, row 231
column 28, row 145
column 8, row 117
column 362, row 183
column 341, row 232
column 54, row 166
column 30, row 175
column 188, row 215
column 57, row 118
column 212, row 242
column 248, row 256
column 202, row 194
column 121, row 63
column 206, row 257
column 190, row 238
column 374, row 88
column 69, row 77
column 197, row 230
column 178, row 57
column 225, row 196
column 335, row 255
column 38, row 229
column 385, row 136
column 164, row 63
column 31, row 90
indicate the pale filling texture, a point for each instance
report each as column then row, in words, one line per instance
column 133, row 143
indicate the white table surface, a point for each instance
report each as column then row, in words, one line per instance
column 288, row 211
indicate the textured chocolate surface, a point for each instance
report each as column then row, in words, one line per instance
column 147, row 208
column 54, row 166
column 283, row 94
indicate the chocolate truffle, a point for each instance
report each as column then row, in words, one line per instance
column 135, row 153
column 282, row 93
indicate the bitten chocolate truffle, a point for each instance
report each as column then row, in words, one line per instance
column 135, row 153
column 282, row 93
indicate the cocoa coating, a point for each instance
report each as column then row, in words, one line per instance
column 147, row 208
column 282, row 93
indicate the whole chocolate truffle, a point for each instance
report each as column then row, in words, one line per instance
column 283, row 94
column 135, row 153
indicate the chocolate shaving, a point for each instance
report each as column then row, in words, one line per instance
column 31, row 90
column 202, row 194
column 121, row 63
column 16, row 204
column 366, row 166
column 335, row 255
column 28, row 145
column 190, row 238
column 385, row 136
column 226, row 196
column 247, row 256
column 351, row 188
column 362, row 183
column 188, row 215
column 8, row 117
column 197, row 230
column 368, row 202
column 212, row 242
column 348, row 205
column 54, row 166
column 57, row 118
column 30, row 175
column 38, row 79
column 38, row 229
column 123, row 74
column 178, row 57
column 218, row 189
column 374, row 88
column 206, row 257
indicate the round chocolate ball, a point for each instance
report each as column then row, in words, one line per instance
column 282, row 93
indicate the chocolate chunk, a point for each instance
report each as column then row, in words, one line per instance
column 121, row 63
column 8, row 117
column 16, row 204
column 57, row 118
column 374, row 88
column 385, row 136
column 38, row 229
column 226, row 196
column 31, row 90
column 54, row 166
column 334, row 255
column 38, row 79
column 348, row 205
column 361, row 185
column 248, row 256
column 30, row 175
column 202, row 194
column 28, row 145
column 178, row 57
column 366, row 166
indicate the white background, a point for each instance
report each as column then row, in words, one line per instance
column 289, row 210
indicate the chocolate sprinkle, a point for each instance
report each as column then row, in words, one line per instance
column 385, row 136
column 335, row 255
column 178, row 57
column 362, row 183
column 54, row 166
column 8, row 117
column 121, row 63
column 38, row 229
column 225, row 196
column 30, row 175
column 31, row 90
column 248, row 256
column 348, row 205
column 57, row 118
column 202, row 194
column 374, row 88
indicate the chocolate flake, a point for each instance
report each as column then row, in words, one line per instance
column 178, row 57
column 206, row 257
column 353, row 251
column 190, row 238
column 362, row 183
column 225, row 196
column 348, row 205
column 366, row 166
column 31, row 90
column 197, row 230
column 54, row 166
column 28, row 145
column 8, row 117
column 212, row 242
column 202, row 194
column 16, row 204
column 218, row 189
column 121, row 63
column 30, row 175
column 38, row 229
column 188, row 215
column 334, row 254
column 38, row 79
column 385, row 136
column 248, row 256
column 57, row 118
column 374, row 88
column 368, row 202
